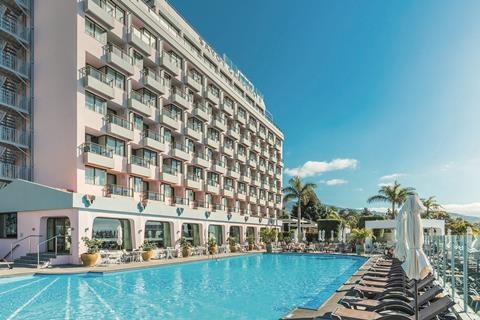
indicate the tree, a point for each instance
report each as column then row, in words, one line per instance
column 311, row 209
column 431, row 205
column 302, row 192
column 394, row 194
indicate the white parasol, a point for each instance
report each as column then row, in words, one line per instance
column 401, row 246
column 119, row 235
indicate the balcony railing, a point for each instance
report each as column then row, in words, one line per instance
column 139, row 161
column 153, row 135
column 14, row 29
column 170, row 170
column 193, row 177
column 94, row 73
column 151, row 195
column 97, row 149
column 143, row 99
column 13, row 63
column 118, row 52
column 12, row 135
column 118, row 190
column 9, row 172
column 212, row 183
column 119, row 121
column 10, row 98
column 202, row 156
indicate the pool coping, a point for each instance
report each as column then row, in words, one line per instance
column 325, row 309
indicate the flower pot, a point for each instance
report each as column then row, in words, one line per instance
column 186, row 252
column 269, row 248
column 360, row 249
column 89, row 259
column 213, row 249
column 147, row 255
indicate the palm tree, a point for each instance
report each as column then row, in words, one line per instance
column 394, row 194
column 301, row 192
column 431, row 205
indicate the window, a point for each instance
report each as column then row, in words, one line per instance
column 195, row 124
column 137, row 57
column 159, row 233
column 242, row 113
column 195, row 75
column 213, row 178
column 228, row 143
column 95, row 176
column 214, row 90
column 95, row 103
column 149, row 156
column 94, row 30
column 139, row 185
column 116, row 77
column 213, row 134
column 115, row 11
column 8, row 225
column 138, row 122
column 118, row 146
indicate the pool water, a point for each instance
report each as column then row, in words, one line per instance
column 250, row 287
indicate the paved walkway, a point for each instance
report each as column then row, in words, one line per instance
column 67, row 269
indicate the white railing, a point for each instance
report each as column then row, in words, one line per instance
column 13, row 244
column 44, row 242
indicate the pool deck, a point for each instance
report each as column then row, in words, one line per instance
column 70, row 269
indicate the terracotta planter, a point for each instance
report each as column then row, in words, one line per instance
column 147, row 255
column 213, row 249
column 89, row 259
column 186, row 252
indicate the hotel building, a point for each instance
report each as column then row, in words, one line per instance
column 119, row 122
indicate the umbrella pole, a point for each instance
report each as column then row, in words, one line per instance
column 416, row 300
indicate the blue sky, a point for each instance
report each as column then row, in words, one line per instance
column 364, row 91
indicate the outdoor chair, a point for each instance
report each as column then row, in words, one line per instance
column 6, row 263
column 429, row 312
column 392, row 304
column 376, row 292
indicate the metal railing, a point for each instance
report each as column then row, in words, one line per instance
column 14, row 244
column 111, row 48
column 94, row 73
column 119, row 121
column 153, row 135
column 11, row 171
column 45, row 242
column 119, row 190
column 13, row 135
column 139, row 161
column 151, row 195
column 97, row 149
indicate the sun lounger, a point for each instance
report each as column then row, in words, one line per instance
column 392, row 304
column 375, row 292
column 427, row 313
column 8, row 264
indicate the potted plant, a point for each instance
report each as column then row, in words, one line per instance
column 268, row 235
column 186, row 247
column 359, row 236
column 89, row 258
column 147, row 247
column 233, row 244
column 251, row 241
column 212, row 245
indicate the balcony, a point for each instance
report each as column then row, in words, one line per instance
column 170, row 175
column 219, row 166
column 16, row 137
column 219, row 124
column 97, row 155
column 152, row 195
column 228, row 191
column 170, row 120
column 118, row 58
column 256, row 147
column 252, row 126
column 153, row 140
column 180, row 152
column 245, row 178
column 270, row 141
column 98, row 9
column 171, row 64
column 193, row 83
column 11, row 172
column 112, row 189
column 241, row 196
column 227, row 150
column 262, row 134
column 154, row 82
column 119, row 127
column 241, row 157
column 208, row 94
column 97, row 82
column 252, row 198
column 212, row 143
column 13, row 65
column 139, row 166
column 255, row 182
column 194, row 182
column 278, row 205
column 262, row 168
column 134, row 37
column 273, row 157
column 245, row 141
column 233, row 174
column 212, row 187
column 14, row 101
column 227, row 107
column 196, row 134
column 141, row 104
column 252, row 162
column 201, row 160
column 278, row 146
column 240, row 118
column 264, row 152
column 233, row 133
column 278, row 175
column 262, row 202
column 201, row 112
column 179, row 99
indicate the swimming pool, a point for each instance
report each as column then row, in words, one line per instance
column 250, row 287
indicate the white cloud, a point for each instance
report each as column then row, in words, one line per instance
column 312, row 168
column 384, row 184
column 391, row 177
column 335, row 182
column 359, row 189
column 467, row 208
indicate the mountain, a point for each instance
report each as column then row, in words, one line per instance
column 470, row 219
